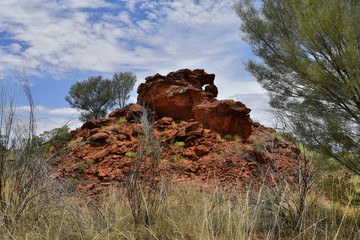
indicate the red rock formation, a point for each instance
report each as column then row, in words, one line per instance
column 180, row 95
column 187, row 119
column 225, row 117
column 97, row 156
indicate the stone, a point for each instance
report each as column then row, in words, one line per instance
column 130, row 112
column 225, row 117
column 180, row 95
column 98, row 139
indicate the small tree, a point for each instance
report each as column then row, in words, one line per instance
column 93, row 96
column 311, row 57
column 123, row 83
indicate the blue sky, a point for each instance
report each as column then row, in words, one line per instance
column 57, row 43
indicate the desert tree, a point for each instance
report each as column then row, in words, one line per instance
column 93, row 97
column 309, row 54
column 123, row 84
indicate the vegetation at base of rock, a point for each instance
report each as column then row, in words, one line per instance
column 131, row 154
column 310, row 56
column 229, row 137
column 89, row 162
column 69, row 182
column 81, row 165
column 144, row 187
column 121, row 120
column 180, row 144
column 188, row 213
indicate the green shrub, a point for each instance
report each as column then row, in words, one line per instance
column 89, row 162
column 228, row 137
column 121, row 120
column 131, row 154
column 180, row 144
column 69, row 182
column 81, row 165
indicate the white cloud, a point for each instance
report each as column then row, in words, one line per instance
column 56, row 111
column 49, row 123
column 64, row 36
column 84, row 3
column 57, row 36
column 48, row 118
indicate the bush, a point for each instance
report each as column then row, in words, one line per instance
column 54, row 139
column 131, row 154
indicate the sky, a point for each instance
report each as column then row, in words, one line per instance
column 56, row 43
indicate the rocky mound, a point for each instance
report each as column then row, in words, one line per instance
column 201, row 138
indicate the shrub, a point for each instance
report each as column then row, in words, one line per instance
column 81, row 165
column 180, row 144
column 131, row 154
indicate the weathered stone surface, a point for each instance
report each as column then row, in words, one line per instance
column 96, row 123
column 225, row 117
column 180, row 95
column 130, row 112
column 177, row 93
column 99, row 139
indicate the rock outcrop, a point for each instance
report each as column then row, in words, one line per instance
column 188, row 122
column 186, row 95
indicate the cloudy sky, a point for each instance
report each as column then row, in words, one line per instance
column 59, row 42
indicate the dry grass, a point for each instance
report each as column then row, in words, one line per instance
column 185, row 214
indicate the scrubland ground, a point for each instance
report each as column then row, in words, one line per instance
column 186, row 213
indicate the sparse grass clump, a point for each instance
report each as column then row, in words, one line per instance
column 131, row 154
column 180, row 144
column 81, row 165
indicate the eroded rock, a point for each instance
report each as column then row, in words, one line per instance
column 180, row 95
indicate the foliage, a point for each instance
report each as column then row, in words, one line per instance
column 311, row 57
column 93, row 97
column 123, row 83
column 89, row 162
column 121, row 120
column 180, row 144
column 190, row 214
column 81, row 165
column 131, row 154
column 54, row 138
column 341, row 188
column 70, row 182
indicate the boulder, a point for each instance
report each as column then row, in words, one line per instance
column 191, row 95
column 130, row 112
column 225, row 117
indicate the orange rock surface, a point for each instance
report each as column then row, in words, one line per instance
column 189, row 123
column 180, row 95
